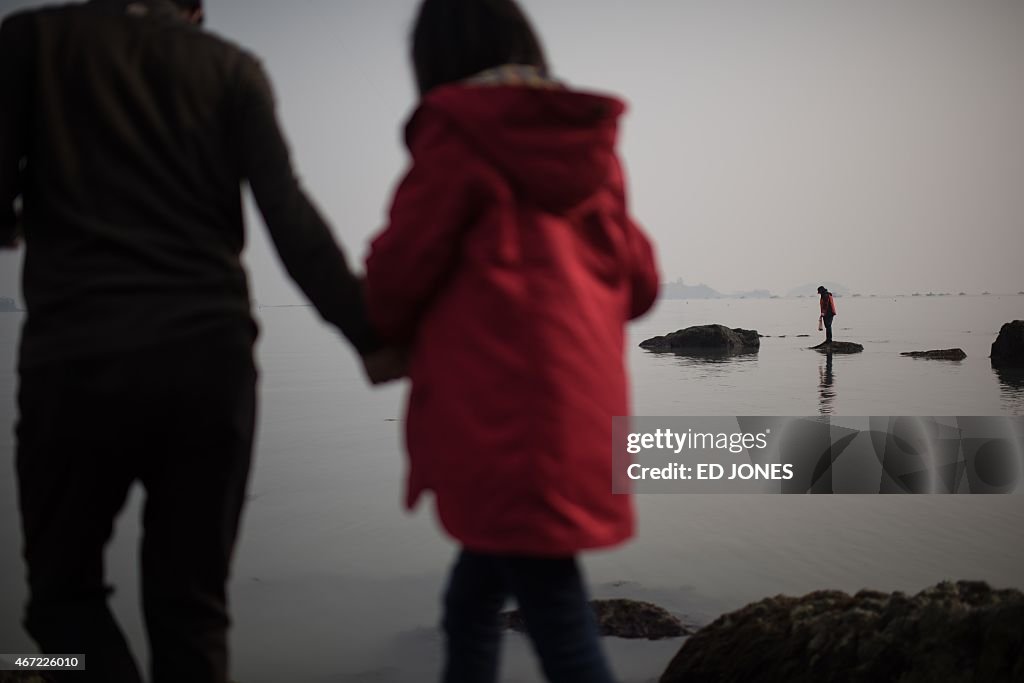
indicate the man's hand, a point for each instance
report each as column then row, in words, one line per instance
column 386, row 365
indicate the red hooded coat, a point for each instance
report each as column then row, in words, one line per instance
column 511, row 265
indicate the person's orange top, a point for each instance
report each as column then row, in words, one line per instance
column 828, row 304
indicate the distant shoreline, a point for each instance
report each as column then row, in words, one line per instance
column 762, row 297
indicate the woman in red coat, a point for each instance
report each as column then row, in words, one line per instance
column 510, row 266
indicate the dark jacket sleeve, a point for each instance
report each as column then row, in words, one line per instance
column 15, row 99
column 303, row 241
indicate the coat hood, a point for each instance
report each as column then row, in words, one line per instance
column 556, row 147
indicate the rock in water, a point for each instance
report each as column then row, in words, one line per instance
column 1008, row 348
column 706, row 339
column 623, row 619
column 20, row 677
column 838, row 347
column 953, row 632
column 939, row 354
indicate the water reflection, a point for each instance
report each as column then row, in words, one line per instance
column 1011, row 387
column 826, row 389
column 708, row 364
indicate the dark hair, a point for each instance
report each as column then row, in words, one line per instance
column 454, row 39
column 189, row 4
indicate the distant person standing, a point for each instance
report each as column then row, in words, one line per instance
column 126, row 131
column 827, row 304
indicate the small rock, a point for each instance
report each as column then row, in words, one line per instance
column 623, row 619
column 938, row 354
column 838, row 347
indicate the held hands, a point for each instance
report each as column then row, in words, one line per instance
column 386, row 365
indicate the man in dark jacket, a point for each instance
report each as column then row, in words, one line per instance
column 125, row 132
column 827, row 305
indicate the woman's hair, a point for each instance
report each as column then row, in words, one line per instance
column 455, row 39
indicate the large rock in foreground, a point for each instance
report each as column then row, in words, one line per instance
column 838, row 347
column 623, row 619
column 953, row 632
column 20, row 677
column 938, row 354
column 706, row 339
column 1008, row 348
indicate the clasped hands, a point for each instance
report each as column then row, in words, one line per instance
column 386, row 365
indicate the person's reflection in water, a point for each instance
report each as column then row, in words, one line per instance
column 826, row 390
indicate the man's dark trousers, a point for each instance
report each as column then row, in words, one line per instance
column 828, row 328
column 177, row 418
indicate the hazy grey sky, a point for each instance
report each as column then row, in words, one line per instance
column 874, row 143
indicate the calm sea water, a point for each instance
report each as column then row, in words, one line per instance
column 334, row 582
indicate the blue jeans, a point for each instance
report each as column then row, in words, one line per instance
column 553, row 602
